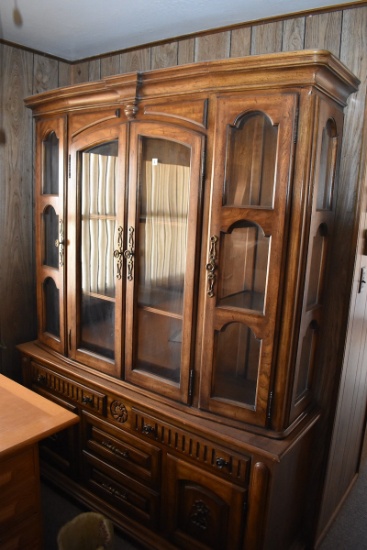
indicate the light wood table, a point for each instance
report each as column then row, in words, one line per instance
column 25, row 418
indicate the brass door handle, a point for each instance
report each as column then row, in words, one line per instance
column 129, row 255
column 211, row 265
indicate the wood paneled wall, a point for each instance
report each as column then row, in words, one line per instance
column 343, row 32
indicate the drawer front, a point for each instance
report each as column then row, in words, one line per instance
column 44, row 378
column 228, row 465
column 122, row 450
column 127, row 496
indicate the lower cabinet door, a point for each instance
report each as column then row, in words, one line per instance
column 202, row 511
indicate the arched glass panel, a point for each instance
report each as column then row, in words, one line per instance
column 244, row 267
column 51, row 307
column 50, row 237
column 50, row 180
column 251, row 162
column 237, row 355
column 329, row 148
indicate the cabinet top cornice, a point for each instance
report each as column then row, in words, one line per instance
column 317, row 68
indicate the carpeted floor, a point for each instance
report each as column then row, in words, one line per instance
column 58, row 509
column 348, row 532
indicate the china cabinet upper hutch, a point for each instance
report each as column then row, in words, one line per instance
column 184, row 229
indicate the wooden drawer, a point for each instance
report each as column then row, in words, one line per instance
column 19, row 488
column 42, row 377
column 228, row 465
column 127, row 496
column 122, row 450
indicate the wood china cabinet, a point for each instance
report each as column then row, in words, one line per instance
column 184, row 229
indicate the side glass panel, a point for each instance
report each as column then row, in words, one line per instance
column 51, row 305
column 50, row 180
column 163, row 208
column 98, row 171
column 251, row 162
column 50, row 237
column 237, row 354
column 329, row 148
column 244, row 267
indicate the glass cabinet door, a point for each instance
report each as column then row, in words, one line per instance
column 50, row 252
column 326, row 155
column 95, row 306
column 160, row 256
column 249, row 207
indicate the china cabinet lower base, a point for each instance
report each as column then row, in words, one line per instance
column 166, row 478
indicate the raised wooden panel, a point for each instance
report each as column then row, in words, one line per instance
column 191, row 111
column 203, row 513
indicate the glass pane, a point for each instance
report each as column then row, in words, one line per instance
column 52, row 307
column 251, row 161
column 50, row 183
column 306, row 360
column 163, row 206
column 329, row 147
column 244, row 267
column 237, row 354
column 98, row 176
column 51, row 235
column 317, row 267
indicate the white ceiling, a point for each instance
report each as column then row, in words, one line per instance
column 77, row 29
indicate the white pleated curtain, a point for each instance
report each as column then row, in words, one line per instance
column 166, row 199
column 98, row 223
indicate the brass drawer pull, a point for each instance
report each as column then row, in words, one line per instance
column 221, row 463
column 148, row 430
column 114, row 492
column 114, row 449
column 41, row 379
column 87, row 400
